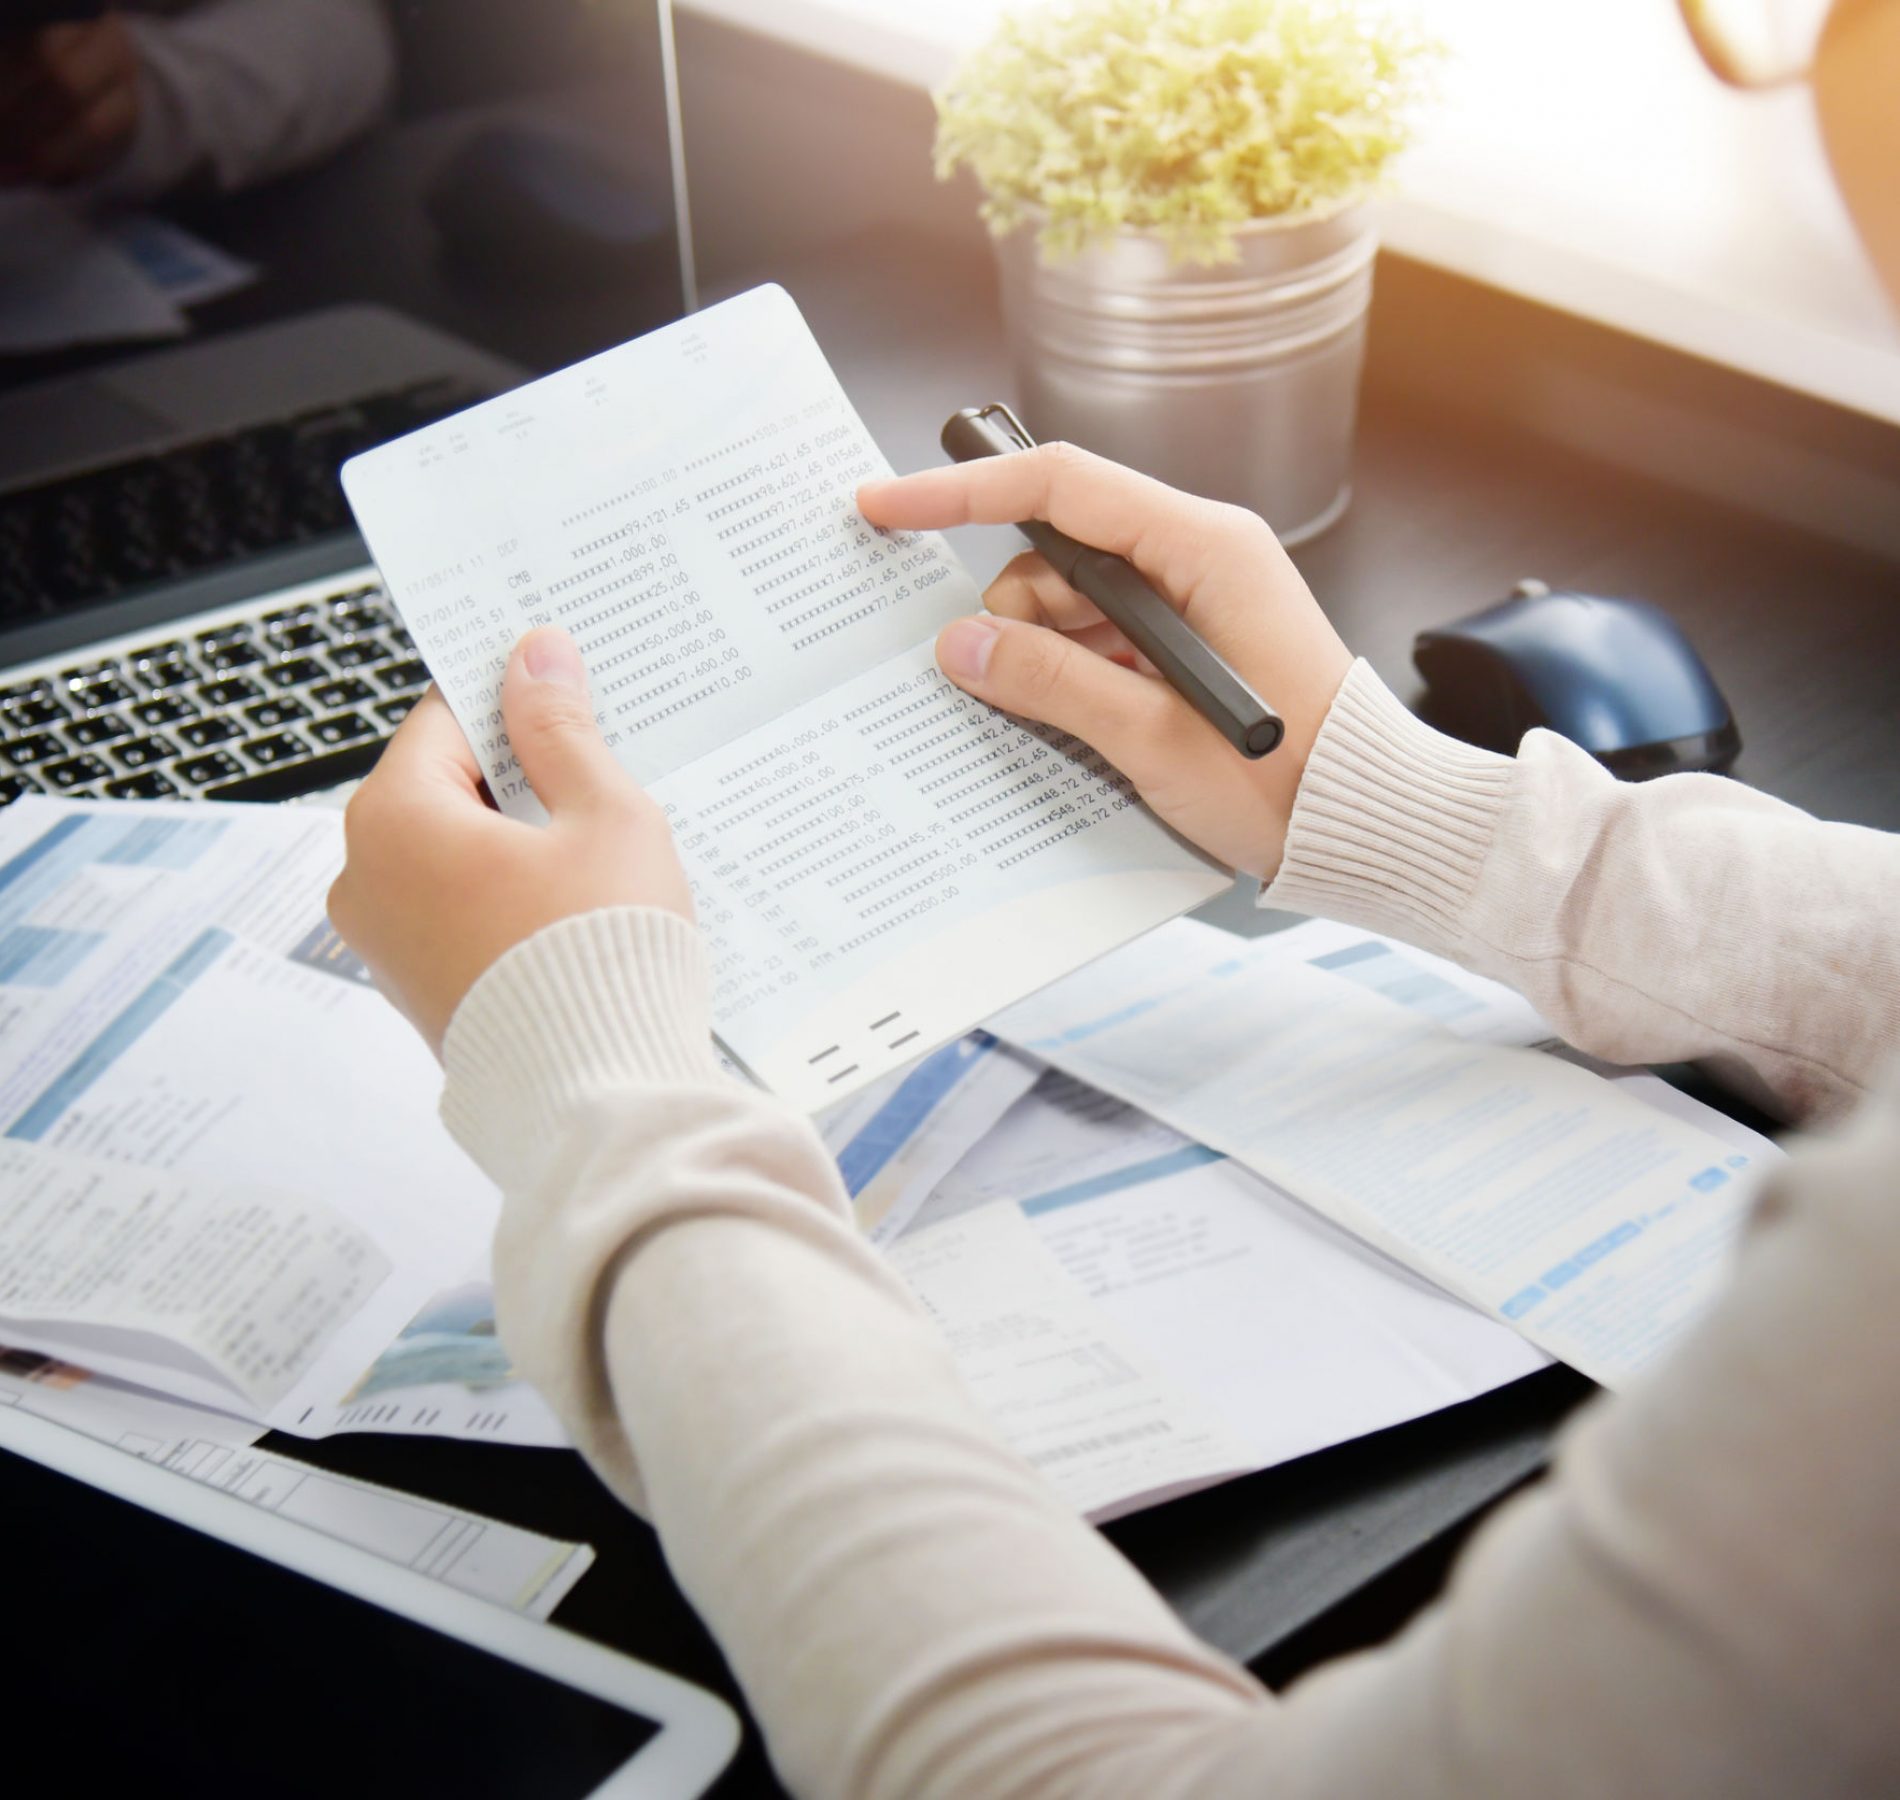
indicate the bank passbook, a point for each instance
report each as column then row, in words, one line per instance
column 879, row 861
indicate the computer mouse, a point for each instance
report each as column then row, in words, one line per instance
column 1616, row 677
column 526, row 201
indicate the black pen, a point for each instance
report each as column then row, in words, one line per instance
column 1190, row 665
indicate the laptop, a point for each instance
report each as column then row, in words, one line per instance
column 186, row 610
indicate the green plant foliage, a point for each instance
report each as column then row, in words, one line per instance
column 1188, row 116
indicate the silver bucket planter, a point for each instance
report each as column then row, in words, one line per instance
column 1239, row 380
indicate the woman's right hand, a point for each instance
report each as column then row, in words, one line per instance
column 1045, row 653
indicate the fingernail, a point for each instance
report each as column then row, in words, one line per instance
column 550, row 655
column 965, row 649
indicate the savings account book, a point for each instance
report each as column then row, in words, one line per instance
column 879, row 861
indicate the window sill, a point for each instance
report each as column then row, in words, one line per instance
column 1502, row 191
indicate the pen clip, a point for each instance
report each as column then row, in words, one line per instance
column 999, row 415
column 991, row 430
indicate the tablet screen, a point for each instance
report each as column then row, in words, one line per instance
column 147, row 1657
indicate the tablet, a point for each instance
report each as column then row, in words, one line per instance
column 191, row 1638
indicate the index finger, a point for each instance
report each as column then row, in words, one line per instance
column 429, row 748
column 1092, row 499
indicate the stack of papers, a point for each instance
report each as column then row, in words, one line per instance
column 1154, row 1297
column 1204, row 1206
column 1595, row 1218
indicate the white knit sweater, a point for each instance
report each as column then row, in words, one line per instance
column 1704, row 1600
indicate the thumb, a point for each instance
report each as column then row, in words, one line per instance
column 550, row 721
column 1038, row 674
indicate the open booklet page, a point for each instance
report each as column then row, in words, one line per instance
column 879, row 861
column 132, row 1271
column 194, row 1067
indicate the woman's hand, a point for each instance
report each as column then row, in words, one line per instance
column 1047, row 654
column 69, row 100
column 438, row 884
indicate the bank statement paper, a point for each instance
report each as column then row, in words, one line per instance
column 879, row 861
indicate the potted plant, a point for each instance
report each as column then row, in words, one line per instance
column 1178, row 191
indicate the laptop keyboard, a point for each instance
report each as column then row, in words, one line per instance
column 262, row 706
column 88, row 537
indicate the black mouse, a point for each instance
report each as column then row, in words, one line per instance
column 1616, row 677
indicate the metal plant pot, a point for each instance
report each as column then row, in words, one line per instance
column 1239, row 380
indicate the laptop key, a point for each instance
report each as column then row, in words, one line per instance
column 269, row 714
column 74, row 772
column 149, row 785
column 81, row 673
column 393, row 712
column 167, row 709
column 12, row 787
column 233, row 656
column 356, row 613
column 202, row 771
column 345, row 728
column 137, row 753
column 171, row 651
column 201, row 734
column 223, row 637
column 110, row 691
column 29, row 715
column 24, row 752
column 39, row 689
column 348, row 692
column 296, row 637
column 100, row 728
column 294, row 671
column 411, row 674
column 230, row 691
column 267, row 752
column 160, row 675
column 353, row 653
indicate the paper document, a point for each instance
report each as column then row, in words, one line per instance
column 1598, row 1226
column 898, row 1139
column 184, row 268
column 62, row 283
column 502, row 1563
column 879, row 861
column 1093, row 1415
column 1289, row 1333
column 175, row 1006
column 121, row 1267
column 1063, row 1136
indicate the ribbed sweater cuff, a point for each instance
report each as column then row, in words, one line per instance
column 1393, row 820
column 594, row 1004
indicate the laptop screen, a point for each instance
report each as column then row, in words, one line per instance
column 500, row 169
column 242, row 239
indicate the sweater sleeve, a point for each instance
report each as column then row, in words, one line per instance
column 1685, row 919
column 1684, row 1609
column 242, row 91
column 910, row 1610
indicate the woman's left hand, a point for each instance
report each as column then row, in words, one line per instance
column 438, row 884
